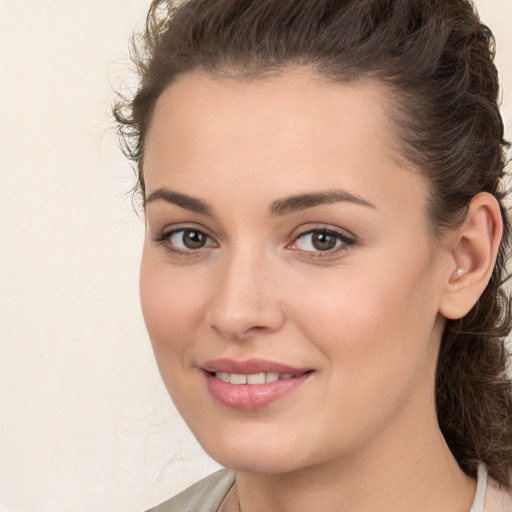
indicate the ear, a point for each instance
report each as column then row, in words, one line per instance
column 474, row 247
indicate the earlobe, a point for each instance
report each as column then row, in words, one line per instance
column 474, row 249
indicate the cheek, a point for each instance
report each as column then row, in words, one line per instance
column 384, row 315
column 376, row 336
column 171, row 304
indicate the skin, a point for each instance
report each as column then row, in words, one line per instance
column 361, row 432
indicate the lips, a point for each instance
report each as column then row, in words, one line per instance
column 250, row 366
column 252, row 384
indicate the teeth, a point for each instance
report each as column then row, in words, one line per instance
column 271, row 377
column 238, row 379
column 255, row 378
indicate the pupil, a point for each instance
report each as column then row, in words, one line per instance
column 194, row 239
column 324, row 241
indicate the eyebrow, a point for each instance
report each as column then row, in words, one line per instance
column 182, row 200
column 279, row 207
column 303, row 201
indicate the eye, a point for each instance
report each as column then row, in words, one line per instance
column 185, row 240
column 321, row 240
column 188, row 239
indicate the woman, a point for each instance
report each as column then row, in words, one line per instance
column 325, row 247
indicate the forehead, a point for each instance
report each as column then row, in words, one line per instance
column 289, row 134
column 291, row 105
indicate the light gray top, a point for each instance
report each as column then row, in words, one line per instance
column 481, row 490
column 208, row 494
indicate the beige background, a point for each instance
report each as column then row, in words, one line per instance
column 85, row 423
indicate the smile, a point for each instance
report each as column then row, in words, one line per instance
column 251, row 385
column 253, row 378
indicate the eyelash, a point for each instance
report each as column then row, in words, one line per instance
column 343, row 242
column 164, row 238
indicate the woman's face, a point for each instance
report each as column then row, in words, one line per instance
column 286, row 242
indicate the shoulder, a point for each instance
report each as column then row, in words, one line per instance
column 204, row 496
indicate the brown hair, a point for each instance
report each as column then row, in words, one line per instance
column 436, row 58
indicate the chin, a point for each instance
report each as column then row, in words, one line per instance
column 261, row 454
column 256, row 463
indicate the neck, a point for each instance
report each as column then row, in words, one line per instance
column 377, row 478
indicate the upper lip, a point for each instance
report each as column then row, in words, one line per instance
column 250, row 366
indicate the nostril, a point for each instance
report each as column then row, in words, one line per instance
column 238, row 317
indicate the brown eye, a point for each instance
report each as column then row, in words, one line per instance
column 323, row 241
column 318, row 241
column 194, row 239
column 189, row 239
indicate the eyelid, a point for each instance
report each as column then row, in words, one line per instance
column 348, row 241
column 163, row 237
column 180, row 226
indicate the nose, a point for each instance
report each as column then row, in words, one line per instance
column 246, row 299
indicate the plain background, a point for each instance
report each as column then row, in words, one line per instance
column 85, row 423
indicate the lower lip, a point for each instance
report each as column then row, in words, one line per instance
column 251, row 397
